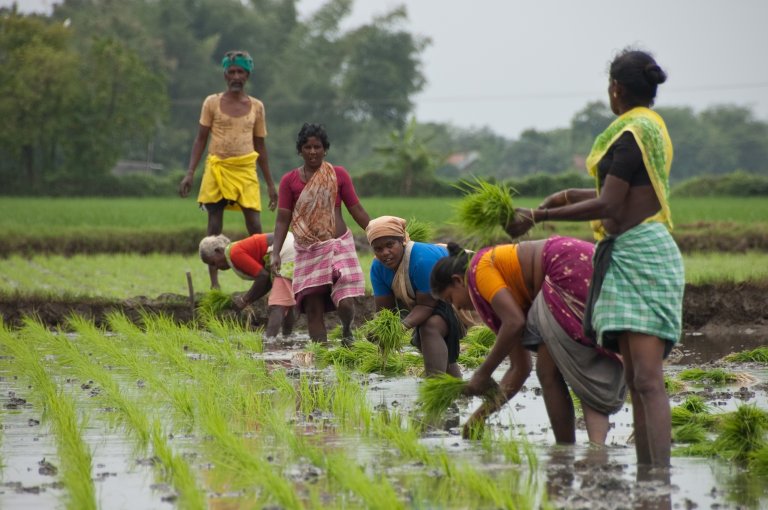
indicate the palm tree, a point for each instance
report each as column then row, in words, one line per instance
column 408, row 155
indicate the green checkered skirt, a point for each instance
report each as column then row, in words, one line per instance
column 642, row 289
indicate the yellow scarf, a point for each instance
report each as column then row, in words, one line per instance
column 652, row 137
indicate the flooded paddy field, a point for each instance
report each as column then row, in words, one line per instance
column 165, row 416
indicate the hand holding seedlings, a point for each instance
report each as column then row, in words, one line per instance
column 480, row 385
column 522, row 222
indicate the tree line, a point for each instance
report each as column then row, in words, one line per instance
column 100, row 81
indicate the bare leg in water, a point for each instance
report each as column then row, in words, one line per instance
column 643, row 365
column 432, row 333
column 314, row 306
column 346, row 311
column 557, row 399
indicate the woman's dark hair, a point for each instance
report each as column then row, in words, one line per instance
column 639, row 74
column 456, row 262
column 308, row 130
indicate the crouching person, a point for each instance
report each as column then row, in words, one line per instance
column 249, row 259
column 400, row 273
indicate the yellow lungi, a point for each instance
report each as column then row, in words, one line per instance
column 233, row 179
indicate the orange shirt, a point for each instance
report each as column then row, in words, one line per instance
column 499, row 268
column 247, row 256
column 232, row 136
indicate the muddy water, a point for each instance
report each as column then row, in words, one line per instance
column 573, row 476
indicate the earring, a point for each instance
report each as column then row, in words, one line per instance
column 615, row 95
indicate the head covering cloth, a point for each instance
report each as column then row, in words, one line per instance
column 237, row 58
column 386, row 226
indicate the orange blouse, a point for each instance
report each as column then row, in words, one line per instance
column 499, row 268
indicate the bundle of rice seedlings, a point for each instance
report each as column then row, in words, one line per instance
column 469, row 361
column 703, row 449
column 742, row 432
column 386, row 331
column 337, row 332
column 689, row 433
column 363, row 356
column 682, row 416
column 214, row 302
column 716, row 376
column 672, row 385
column 485, row 205
column 695, row 404
column 437, row 393
column 759, row 355
column 758, row 461
column 480, row 335
column 420, row 231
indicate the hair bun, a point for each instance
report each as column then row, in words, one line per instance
column 654, row 74
column 454, row 249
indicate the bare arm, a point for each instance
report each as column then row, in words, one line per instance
column 567, row 197
column 425, row 307
column 508, row 341
column 261, row 286
column 261, row 147
column 282, row 222
column 593, row 207
column 198, row 146
column 359, row 214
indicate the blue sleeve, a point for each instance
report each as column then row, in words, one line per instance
column 423, row 258
column 381, row 279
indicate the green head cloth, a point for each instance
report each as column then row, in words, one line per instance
column 237, row 58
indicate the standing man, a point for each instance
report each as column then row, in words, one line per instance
column 238, row 125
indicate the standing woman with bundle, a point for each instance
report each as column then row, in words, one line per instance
column 636, row 292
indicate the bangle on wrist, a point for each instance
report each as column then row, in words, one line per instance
column 546, row 214
column 565, row 195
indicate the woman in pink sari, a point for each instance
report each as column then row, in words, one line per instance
column 327, row 273
column 532, row 296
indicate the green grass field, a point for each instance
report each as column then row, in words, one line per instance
column 127, row 275
column 58, row 215
column 124, row 276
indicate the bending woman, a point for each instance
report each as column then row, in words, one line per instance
column 400, row 273
column 636, row 294
column 327, row 273
column 532, row 296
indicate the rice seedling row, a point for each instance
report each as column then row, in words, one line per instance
column 171, row 466
column 259, row 428
column 60, row 412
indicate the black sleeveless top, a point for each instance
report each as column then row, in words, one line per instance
column 625, row 161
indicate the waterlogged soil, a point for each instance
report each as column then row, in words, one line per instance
column 577, row 476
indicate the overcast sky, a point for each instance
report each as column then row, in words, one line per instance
column 513, row 65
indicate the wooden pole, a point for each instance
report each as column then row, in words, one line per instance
column 191, row 295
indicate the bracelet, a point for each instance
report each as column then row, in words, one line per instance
column 565, row 195
column 532, row 219
column 546, row 214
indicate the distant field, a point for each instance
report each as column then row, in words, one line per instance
column 124, row 276
column 47, row 216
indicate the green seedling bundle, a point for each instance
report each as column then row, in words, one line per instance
column 437, row 393
column 485, row 205
column 759, row 355
column 386, row 331
column 420, row 231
